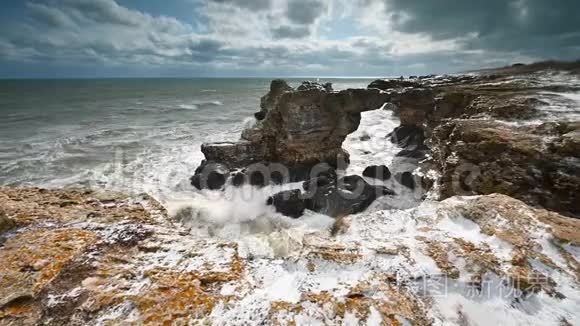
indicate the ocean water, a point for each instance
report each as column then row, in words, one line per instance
column 139, row 135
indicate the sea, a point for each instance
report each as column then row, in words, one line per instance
column 137, row 135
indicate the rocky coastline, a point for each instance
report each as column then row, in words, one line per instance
column 481, row 123
column 498, row 177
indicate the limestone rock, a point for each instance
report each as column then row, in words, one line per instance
column 534, row 163
column 302, row 128
column 234, row 154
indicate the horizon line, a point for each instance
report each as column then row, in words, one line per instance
column 199, row 77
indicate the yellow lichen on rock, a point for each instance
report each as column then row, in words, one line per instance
column 438, row 252
column 32, row 259
column 174, row 297
column 32, row 205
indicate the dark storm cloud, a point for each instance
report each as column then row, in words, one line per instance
column 536, row 27
column 247, row 4
column 305, row 11
column 290, row 32
column 305, row 37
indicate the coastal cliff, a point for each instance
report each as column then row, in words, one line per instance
column 493, row 159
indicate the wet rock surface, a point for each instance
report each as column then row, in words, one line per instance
column 345, row 196
column 78, row 257
column 329, row 196
column 377, row 172
column 290, row 203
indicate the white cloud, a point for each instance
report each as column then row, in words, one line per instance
column 266, row 36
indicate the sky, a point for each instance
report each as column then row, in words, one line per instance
column 279, row 38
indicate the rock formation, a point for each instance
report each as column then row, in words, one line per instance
column 537, row 164
column 466, row 127
column 330, row 196
column 446, row 123
column 300, row 129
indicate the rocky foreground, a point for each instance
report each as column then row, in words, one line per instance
column 495, row 158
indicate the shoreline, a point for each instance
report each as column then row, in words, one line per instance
column 494, row 230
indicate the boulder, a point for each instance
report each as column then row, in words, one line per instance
column 289, row 203
column 336, row 198
column 377, row 172
column 349, row 195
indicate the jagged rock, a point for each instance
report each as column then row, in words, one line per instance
column 289, row 203
column 309, row 85
column 377, row 172
column 211, row 176
column 536, row 164
column 234, row 155
column 506, row 106
column 414, row 106
column 302, row 128
column 349, row 195
column 277, row 88
column 65, row 265
column 388, row 84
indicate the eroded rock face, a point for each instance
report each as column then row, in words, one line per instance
column 300, row 128
column 537, row 164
